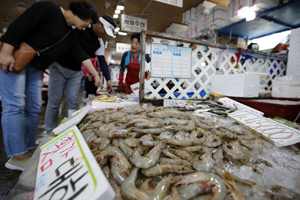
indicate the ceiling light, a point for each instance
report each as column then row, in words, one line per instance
column 117, row 29
column 115, row 16
column 122, row 33
column 117, row 11
column 119, row 7
column 247, row 12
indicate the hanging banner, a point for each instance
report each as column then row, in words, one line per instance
column 122, row 47
column 133, row 24
column 177, row 3
column 67, row 169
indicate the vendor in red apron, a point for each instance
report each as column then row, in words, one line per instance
column 131, row 60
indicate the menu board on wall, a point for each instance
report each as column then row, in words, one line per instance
column 171, row 61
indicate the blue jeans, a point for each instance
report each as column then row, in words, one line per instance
column 61, row 79
column 21, row 96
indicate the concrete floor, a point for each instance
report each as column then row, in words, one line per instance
column 9, row 178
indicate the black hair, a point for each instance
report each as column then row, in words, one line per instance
column 136, row 35
column 110, row 20
column 84, row 10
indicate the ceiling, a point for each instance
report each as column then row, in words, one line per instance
column 159, row 15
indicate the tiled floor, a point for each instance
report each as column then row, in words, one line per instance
column 9, row 178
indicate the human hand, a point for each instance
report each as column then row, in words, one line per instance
column 90, row 78
column 148, row 76
column 98, row 82
column 7, row 62
column 109, row 87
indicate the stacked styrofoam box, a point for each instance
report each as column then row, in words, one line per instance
column 178, row 29
column 196, row 27
column 218, row 16
column 204, row 8
column 286, row 88
column 236, row 85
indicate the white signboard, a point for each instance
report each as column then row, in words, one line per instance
column 122, row 47
column 117, row 57
column 275, row 132
column 177, row 3
column 171, row 61
column 133, row 24
column 68, row 170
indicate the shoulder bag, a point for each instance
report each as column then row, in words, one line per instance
column 26, row 53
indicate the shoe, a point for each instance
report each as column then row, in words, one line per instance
column 15, row 164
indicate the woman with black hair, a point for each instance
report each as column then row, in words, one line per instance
column 131, row 60
column 41, row 25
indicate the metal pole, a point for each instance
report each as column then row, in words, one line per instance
column 142, row 66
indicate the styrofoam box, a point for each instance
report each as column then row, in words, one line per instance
column 287, row 89
column 205, row 7
column 236, row 85
column 178, row 28
column 233, row 7
column 261, row 5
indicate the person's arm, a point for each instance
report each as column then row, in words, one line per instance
column 105, row 71
column 7, row 61
column 89, row 66
column 122, row 69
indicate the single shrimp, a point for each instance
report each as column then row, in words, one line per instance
column 156, row 131
column 181, row 153
column 182, row 135
column 132, row 142
column 285, row 192
column 115, row 134
column 196, row 136
column 137, row 120
column 126, row 149
column 114, row 151
column 174, row 195
column 115, row 142
column 146, row 187
column 117, row 190
column 233, row 150
column 117, row 172
column 189, row 127
column 129, row 190
column 194, row 148
column 212, row 141
column 192, row 190
column 255, row 144
column 151, row 159
column 174, row 162
column 183, row 143
column 204, row 161
column 170, row 154
column 173, row 121
column 218, row 157
column 221, row 173
column 210, row 179
column 236, row 193
column 148, row 125
column 165, row 169
column 162, row 188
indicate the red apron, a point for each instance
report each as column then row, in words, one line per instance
column 132, row 77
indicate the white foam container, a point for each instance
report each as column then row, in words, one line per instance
column 286, row 88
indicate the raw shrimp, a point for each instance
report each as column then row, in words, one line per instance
column 132, row 142
column 129, row 190
column 106, row 172
column 126, row 149
column 189, row 127
column 165, row 169
column 194, row 148
column 174, row 162
column 117, row 173
column 203, row 197
column 181, row 153
column 137, row 120
column 255, row 144
column 174, row 195
column 233, row 150
column 285, row 192
column 218, row 157
column 183, row 143
column 150, row 159
column 174, row 121
column 170, row 154
column 164, row 115
column 212, row 141
column 236, row 193
column 204, row 161
column 162, row 188
column 182, row 135
column 148, row 125
column 196, row 136
column 115, row 134
column 156, row 130
column 218, row 189
column 192, row 190
column 114, row 151
column 117, row 190
column 146, row 187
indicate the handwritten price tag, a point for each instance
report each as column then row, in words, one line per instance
column 275, row 132
column 68, row 170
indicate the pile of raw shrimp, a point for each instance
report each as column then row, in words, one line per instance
column 151, row 152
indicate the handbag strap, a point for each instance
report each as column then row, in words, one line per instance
column 41, row 51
